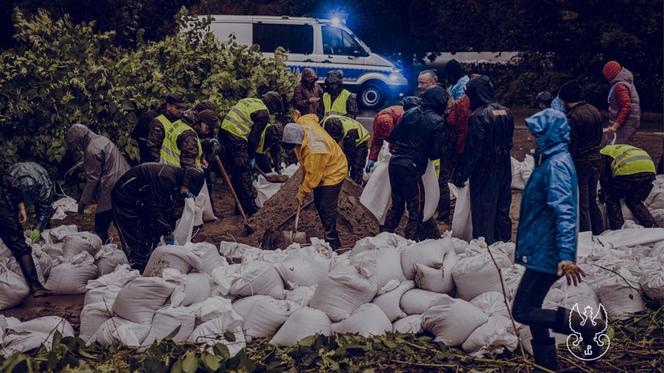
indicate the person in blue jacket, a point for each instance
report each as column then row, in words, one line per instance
column 547, row 236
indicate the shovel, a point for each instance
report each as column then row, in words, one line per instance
column 248, row 229
column 290, row 237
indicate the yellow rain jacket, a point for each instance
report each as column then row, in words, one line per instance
column 321, row 157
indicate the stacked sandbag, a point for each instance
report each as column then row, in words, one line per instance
column 172, row 256
column 452, row 321
column 75, row 244
column 408, row 325
column 118, row 332
column 417, row 301
column 212, row 332
column 265, row 316
column 301, row 295
column 477, row 274
column 385, row 248
column 368, row 320
column 109, row 257
column 389, row 302
column 29, row 335
column 140, row 298
column 258, row 278
column 302, row 323
column 71, row 273
column 304, row 267
column 192, row 288
column 166, row 320
column 13, row 288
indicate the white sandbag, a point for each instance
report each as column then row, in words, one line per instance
column 377, row 193
column 511, row 279
column 62, row 206
column 385, row 248
column 80, row 242
column 258, row 278
column 166, row 320
column 105, row 288
column 389, row 302
column 212, row 332
column 140, row 298
column 652, row 283
column 265, row 190
column 566, row 296
column 109, row 257
column 507, row 248
column 13, row 288
column 54, row 250
column 452, row 320
column 92, row 317
column 431, row 192
column 235, row 251
column 185, row 225
column 655, row 199
column 46, row 325
column 301, row 324
column 492, row 338
column 301, row 295
column 204, row 212
column 196, row 288
column 118, row 332
column 348, row 285
column 216, row 308
column 181, row 258
column 243, row 305
column 492, row 303
column 209, row 258
column 658, row 215
column 517, row 181
column 368, row 320
column 58, row 234
column 30, row 335
column 428, row 253
column 631, row 237
column 478, row 274
column 266, row 316
column 438, row 280
column 43, row 263
column 299, row 269
column 462, row 223
column 417, row 301
column 408, row 325
column 619, row 299
column 72, row 275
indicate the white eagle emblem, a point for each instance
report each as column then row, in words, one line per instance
column 590, row 349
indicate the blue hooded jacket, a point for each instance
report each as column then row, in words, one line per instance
column 548, row 224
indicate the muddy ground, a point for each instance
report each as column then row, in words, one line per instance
column 353, row 223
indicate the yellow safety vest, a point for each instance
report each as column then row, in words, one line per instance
column 170, row 153
column 337, row 107
column 628, row 160
column 238, row 120
column 351, row 124
column 167, row 124
column 261, row 143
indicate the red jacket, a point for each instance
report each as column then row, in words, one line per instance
column 457, row 118
column 621, row 94
column 383, row 124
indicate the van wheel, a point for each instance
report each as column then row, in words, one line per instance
column 372, row 95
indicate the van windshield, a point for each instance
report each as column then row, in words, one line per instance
column 337, row 41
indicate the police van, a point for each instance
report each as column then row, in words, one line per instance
column 323, row 45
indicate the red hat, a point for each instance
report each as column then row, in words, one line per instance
column 611, row 69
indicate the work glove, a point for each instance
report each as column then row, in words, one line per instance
column 169, row 240
column 459, row 181
column 369, row 166
column 35, row 235
column 572, row 272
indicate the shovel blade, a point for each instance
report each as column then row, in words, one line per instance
column 294, row 237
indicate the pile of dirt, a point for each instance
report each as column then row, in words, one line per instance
column 354, row 221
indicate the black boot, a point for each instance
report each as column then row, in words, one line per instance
column 544, row 352
column 30, row 274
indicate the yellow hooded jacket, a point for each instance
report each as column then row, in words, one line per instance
column 321, row 157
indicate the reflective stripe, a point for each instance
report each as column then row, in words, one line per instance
column 350, row 124
column 261, row 143
column 238, row 120
column 628, row 160
column 170, row 153
column 618, row 165
column 338, row 106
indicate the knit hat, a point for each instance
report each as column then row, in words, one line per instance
column 334, row 76
column 571, row 91
column 611, row 69
column 209, row 117
column 273, row 102
column 175, row 99
column 293, row 134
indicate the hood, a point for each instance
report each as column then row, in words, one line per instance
column 624, row 76
column 78, row 136
column 551, row 131
column 453, row 71
column 309, row 73
column 480, row 92
column 310, row 119
column 435, row 98
column 410, row 102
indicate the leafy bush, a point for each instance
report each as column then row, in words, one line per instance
column 62, row 73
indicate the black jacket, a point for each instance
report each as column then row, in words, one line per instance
column 154, row 189
column 490, row 130
column 585, row 123
column 417, row 137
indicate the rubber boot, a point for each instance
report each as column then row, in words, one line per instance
column 30, row 273
column 544, row 352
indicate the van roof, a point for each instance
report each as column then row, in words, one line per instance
column 232, row 18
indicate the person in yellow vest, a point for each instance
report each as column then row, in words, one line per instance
column 336, row 99
column 627, row 172
column 354, row 140
column 182, row 145
column 240, row 136
column 268, row 152
column 173, row 108
column 325, row 168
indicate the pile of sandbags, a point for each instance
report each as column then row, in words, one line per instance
column 17, row 336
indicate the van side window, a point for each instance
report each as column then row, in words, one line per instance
column 293, row 38
column 339, row 42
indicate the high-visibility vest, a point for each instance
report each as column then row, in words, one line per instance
column 170, row 153
column 261, row 143
column 339, row 105
column 238, row 120
column 351, row 124
column 628, row 160
column 165, row 122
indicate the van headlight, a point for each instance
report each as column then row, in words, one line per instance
column 397, row 78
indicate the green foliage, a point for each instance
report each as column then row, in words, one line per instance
column 62, row 73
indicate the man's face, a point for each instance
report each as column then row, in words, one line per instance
column 205, row 129
column 334, row 86
column 424, row 82
column 174, row 110
column 541, row 105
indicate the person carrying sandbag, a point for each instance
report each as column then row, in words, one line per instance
column 37, row 188
column 325, row 168
column 12, row 216
column 144, row 206
column 547, row 238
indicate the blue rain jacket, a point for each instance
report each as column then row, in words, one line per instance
column 548, row 224
column 458, row 90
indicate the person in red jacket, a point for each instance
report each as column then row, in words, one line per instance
column 624, row 104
